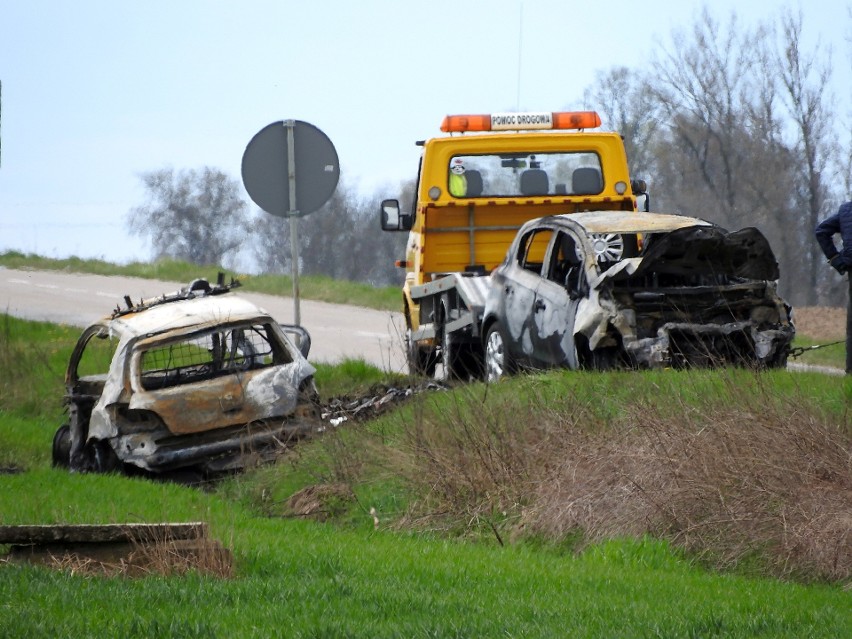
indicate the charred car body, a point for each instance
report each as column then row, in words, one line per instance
column 199, row 379
column 606, row 289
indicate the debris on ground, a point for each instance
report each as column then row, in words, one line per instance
column 372, row 404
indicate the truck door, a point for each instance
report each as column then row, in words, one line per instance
column 556, row 301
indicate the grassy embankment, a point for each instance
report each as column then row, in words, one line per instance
column 582, row 505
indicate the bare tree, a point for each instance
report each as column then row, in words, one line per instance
column 271, row 243
column 704, row 87
column 804, row 79
column 626, row 103
column 341, row 240
column 732, row 98
column 193, row 215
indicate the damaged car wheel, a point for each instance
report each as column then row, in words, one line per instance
column 498, row 360
column 62, row 447
column 99, row 457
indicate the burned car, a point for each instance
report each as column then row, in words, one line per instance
column 610, row 289
column 199, row 380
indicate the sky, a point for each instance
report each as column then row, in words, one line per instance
column 95, row 93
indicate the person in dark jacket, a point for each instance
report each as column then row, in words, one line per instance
column 840, row 259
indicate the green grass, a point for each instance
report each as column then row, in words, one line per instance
column 353, row 378
column 827, row 354
column 303, row 579
column 297, row 577
column 314, row 287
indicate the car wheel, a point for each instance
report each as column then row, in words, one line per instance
column 100, row 457
column 498, row 361
column 62, row 447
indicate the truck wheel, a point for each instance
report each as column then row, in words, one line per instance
column 498, row 360
column 449, row 356
column 421, row 361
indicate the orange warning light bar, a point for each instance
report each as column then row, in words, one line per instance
column 521, row 121
column 576, row 120
column 460, row 123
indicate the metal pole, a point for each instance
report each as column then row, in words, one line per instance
column 292, row 213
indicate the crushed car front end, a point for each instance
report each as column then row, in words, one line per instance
column 696, row 297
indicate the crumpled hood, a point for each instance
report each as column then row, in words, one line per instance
column 703, row 250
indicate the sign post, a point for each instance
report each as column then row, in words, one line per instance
column 275, row 157
column 293, row 214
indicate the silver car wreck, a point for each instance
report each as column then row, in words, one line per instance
column 199, row 380
column 611, row 289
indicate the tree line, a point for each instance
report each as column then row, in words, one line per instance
column 738, row 125
column 734, row 124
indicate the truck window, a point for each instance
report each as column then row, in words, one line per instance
column 524, row 175
column 533, row 249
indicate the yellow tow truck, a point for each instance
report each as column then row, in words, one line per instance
column 476, row 187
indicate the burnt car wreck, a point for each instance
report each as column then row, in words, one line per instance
column 615, row 289
column 199, row 380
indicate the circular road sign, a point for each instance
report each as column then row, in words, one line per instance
column 267, row 162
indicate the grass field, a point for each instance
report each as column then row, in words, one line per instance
column 433, row 520
column 654, row 504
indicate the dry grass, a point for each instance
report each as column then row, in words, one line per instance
column 821, row 323
column 203, row 556
column 320, row 501
column 769, row 488
column 730, row 485
column 158, row 555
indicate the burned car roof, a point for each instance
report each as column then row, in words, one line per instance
column 611, row 288
column 192, row 312
column 624, row 221
column 689, row 244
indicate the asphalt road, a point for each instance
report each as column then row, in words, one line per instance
column 337, row 331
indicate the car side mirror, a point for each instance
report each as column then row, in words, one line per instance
column 392, row 218
column 300, row 336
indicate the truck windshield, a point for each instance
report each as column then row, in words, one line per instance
column 524, row 174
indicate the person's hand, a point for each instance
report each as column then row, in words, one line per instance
column 838, row 264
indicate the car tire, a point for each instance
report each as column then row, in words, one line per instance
column 498, row 360
column 100, row 457
column 62, row 447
